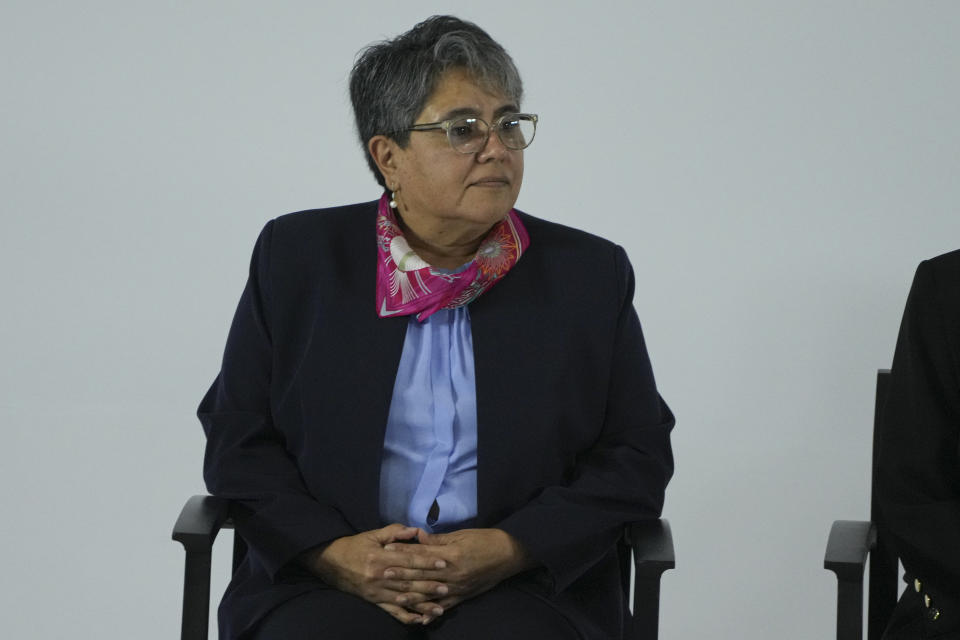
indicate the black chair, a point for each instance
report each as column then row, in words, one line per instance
column 650, row 543
column 849, row 545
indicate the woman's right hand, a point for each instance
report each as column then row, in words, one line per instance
column 356, row 564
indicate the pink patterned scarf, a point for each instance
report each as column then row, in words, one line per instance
column 407, row 285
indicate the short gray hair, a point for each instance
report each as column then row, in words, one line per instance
column 392, row 80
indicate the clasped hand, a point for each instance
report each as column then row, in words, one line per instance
column 416, row 583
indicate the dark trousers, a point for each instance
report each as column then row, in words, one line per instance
column 504, row 613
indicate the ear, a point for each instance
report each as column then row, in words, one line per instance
column 387, row 155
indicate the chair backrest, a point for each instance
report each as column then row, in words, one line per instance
column 884, row 567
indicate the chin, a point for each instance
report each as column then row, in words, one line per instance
column 492, row 210
column 486, row 215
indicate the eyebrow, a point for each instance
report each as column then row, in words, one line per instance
column 470, row 111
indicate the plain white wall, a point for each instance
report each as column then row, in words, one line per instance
column 775, row 170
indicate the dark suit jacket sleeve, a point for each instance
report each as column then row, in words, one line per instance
column 919, row 466
column 622, row 478
column 246, row 457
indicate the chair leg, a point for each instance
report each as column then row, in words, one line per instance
column 196, row 596
column 849, row 610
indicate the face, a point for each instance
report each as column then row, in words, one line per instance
column 436, row 184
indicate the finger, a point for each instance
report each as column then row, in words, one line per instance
column 449, row 602
column 405, row 534
column 411, row 556
column 402, row 573
column 403, row 615
column 408, row 548
column 433, row 610
column 433, row 538
column 411, row 599
column 430, row 558
column 428, row 588
column 429, row 610
column 395, row 532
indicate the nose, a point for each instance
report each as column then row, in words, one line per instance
column 494, row 148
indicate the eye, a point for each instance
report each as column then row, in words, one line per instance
column 465, row 128
column 509, row 123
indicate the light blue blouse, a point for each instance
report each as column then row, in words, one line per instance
column 430, row 447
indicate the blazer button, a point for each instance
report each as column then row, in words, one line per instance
column 917, row 585
column 933, row 613
column 926, row 601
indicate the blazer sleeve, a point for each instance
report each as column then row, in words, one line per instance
column 246, row 457
column 622, row 478
column 919, row 466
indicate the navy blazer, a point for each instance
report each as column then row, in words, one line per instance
column 918, row 466
column 573, row 438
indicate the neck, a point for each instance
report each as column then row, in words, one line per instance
column 444, row 244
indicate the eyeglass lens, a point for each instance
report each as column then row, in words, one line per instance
column 468, row 135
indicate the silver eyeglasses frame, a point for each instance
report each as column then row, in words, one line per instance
column 497, row 126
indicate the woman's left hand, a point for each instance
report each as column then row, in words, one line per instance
column 477, row 560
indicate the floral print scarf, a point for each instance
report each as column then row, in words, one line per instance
column 407, row 285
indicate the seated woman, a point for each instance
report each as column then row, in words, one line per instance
column 435, row 412
column 919, row 456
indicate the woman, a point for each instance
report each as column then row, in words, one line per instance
column 436, row 412
column 919, row 457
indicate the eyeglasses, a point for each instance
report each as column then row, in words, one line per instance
column 469, row 134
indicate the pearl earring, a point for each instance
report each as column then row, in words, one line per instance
column 393, row 199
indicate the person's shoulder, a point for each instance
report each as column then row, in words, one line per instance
column 940, row 273
column 937, row 282
column 313, row 236
column 560, row 236
column 313, row 230
column 597, row 268
column 946, row 265
column 576, row 256
column 327, row 220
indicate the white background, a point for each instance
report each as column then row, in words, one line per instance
column 775, row 170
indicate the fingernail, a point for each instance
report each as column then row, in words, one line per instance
column 442, row 590
column 389, row 547
column 427, row 620
column 440, row 564
column 401, row 599
column 389, row 573
column 438, row 611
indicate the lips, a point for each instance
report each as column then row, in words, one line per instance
column 493, row 181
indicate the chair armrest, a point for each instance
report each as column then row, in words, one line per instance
column 200, row 520
column 847, row 547
column 652, row 545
